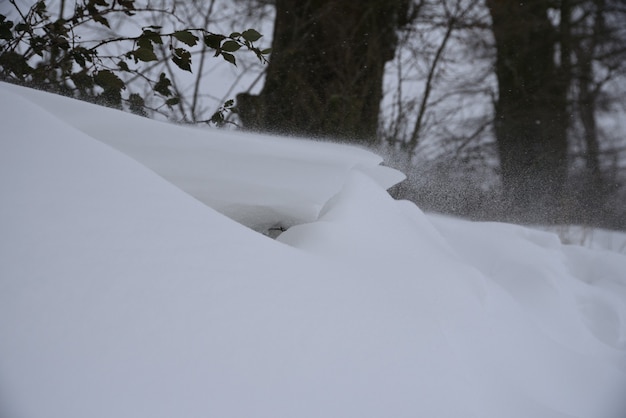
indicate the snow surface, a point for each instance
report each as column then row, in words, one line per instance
column 133, row 284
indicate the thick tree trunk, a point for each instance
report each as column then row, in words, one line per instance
column 531, row 111
column 326, row 70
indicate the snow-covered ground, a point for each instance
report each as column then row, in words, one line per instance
column 136, row 281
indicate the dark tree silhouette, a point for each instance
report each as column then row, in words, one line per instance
column 326, row 69
column 531, row 119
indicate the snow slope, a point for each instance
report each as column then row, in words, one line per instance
column 124, row 292
column 242, row 175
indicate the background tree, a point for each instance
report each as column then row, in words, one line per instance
column 117, row 53
column 598, row 39
column 437, row 114
column 213, row 82
column 326, row 71
column 531, row 118
column 554, row 61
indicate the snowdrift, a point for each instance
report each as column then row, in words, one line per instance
column 259, row 180
column 133, row 284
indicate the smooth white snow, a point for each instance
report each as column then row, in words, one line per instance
column 125, row 293
column 258, row 180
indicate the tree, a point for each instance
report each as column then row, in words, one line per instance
column 531, row 119
column 64, row 52
column 599, row 50
column 437, row 115
column 326, row 71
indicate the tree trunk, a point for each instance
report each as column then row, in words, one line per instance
column 587, row 94
column 326, row 70
column 587, row 106
column 531, row 110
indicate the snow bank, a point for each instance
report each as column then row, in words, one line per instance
column 261, row 181
column 511, row 302
column 124, row 293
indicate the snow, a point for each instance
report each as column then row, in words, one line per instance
column 241, row 175
column 135, row 281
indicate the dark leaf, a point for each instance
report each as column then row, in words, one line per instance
column 214, row 41
column 123, row 66
column 38, row 44
column 230, row 58
column 251, row 35
column 182, row 58
column 151, row 36
column 40, row 9
column 136, row 100
column 59, row 27
column 87, row 54
column 5, row 28
column 79, row 58
column 127, row 4
column 137, row 104
column 145, row 54
column 230, row 46
column 101, row 19
column 21, row 27
column 186, row 37
column 82, row 80
column 172, row 102
column 163, row 85
column 15, row 63
column 61, row 43
column 143, row 42
column 217, row 118
column 266, row 51
column 108, row 81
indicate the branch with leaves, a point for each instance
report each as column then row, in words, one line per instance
column 45, row 52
